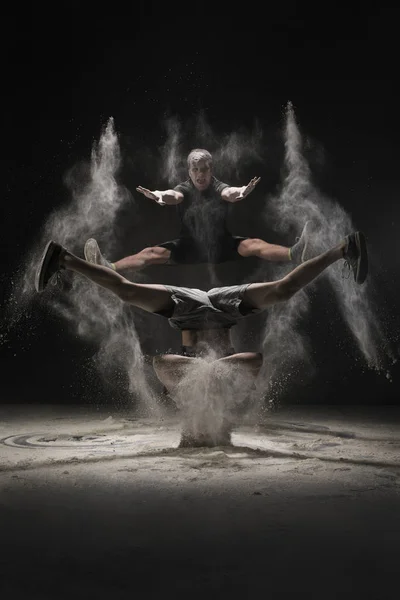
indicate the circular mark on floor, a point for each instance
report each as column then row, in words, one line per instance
column 88, row 441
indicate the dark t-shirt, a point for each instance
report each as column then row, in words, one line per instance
column 203, row 215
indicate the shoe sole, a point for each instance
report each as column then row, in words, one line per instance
column 93, row 254
column 44, row 263
column 362, row 264
column 91, row 251
column 306, row 243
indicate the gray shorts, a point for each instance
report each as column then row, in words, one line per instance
column 216, row 309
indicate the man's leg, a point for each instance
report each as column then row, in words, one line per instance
column 263, row 250
column 171, row 369
column 273, row 252
column 154, row 255
column 248, row 363
column 151, row 297
column 208, row 408
column 352, row 249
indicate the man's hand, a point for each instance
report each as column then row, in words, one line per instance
column 247, row 189
column 149, row 194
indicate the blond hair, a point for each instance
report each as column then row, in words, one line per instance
column 199, row 154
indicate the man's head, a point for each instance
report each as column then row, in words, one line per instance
column 199, row 164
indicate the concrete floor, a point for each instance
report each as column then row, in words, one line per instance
column 100, row 504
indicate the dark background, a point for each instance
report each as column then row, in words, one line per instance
column 68, row 69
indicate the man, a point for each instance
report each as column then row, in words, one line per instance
column 205, row 318
column 203, row 203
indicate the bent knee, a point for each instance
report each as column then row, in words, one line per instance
column 161, row 361
column 249, row 246
column 156, row 253
column 254, row 359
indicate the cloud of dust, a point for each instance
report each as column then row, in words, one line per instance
column 210, row 396
column 92, row 312
column 297, row 202
column 232, row 152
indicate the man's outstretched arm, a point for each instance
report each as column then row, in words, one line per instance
column 162, row 197
column 234, row 194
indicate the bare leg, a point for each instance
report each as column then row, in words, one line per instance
column 149, row 256
column 249, row 362
column 152, row 297
column 208, row 408
column 172, row 368
column 262, row 295
column 263, row 250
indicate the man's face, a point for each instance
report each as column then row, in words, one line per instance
column 200, row 174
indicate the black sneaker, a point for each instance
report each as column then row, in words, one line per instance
column 298, row 252
column 356, row 256
column 93, row 254
column 49, row 265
